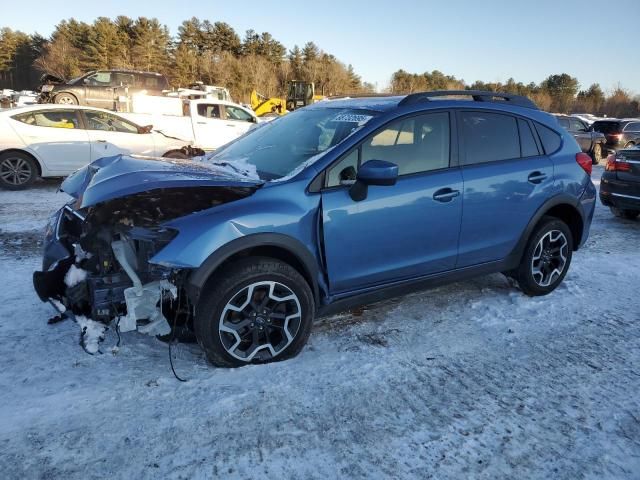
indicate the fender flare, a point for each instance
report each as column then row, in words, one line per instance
column 199, row 277
column 561, row 199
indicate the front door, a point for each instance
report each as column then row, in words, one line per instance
column 506, row 180
column 210, row 129
column 397, row 232
column 56, row 138
column 99, row 90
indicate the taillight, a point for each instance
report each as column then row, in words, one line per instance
column 614, row 136
column 585, row 162
column 617, row 164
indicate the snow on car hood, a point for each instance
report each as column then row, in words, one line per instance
column 120, row 176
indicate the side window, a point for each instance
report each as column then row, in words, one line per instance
column 344, row 170
column 564, row 123
column 235, row 113
column 632, row 127
column 489, row 137
column 577, row 125
column 416, row 144
column 122, row 79
column 209, row 110
column 528, row 145
column 53, row 118
column 99, row 79
column 550, row 140
column 108, row 123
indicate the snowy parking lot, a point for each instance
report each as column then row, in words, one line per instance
column 470, row 380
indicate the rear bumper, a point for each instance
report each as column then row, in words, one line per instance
column 622, row 195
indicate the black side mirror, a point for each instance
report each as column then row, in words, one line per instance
column 373, row 172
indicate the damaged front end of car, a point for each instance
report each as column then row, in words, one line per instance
column 99, row 249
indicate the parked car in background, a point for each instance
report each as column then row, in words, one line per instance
column 101, row 88
column 56, row 140
column 620, row 134
column 587, row 118
column 590, row 142
column 207, row 123
column 620, row 183
column 332, row 206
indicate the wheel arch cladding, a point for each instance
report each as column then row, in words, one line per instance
column 571, row 216
column 278, row 246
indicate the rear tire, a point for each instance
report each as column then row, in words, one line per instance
column 248, row 307
column 546, row 258
column 17, row 170
column 623, row 213
column 629, row 145
column 596, row 155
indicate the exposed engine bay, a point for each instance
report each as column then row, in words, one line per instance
column 97, row 259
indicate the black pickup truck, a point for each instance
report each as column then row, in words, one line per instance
column 590, row 142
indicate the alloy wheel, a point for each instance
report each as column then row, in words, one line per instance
column 549, row 258
column 260, row 321
column 15, row 171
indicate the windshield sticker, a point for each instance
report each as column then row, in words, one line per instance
column 352, row 118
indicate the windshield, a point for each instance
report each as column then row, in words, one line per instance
column 277, row 148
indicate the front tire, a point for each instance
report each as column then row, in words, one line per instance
column 17, row 170
column 623, row 213
column 257, row 310
column 546, row 258
column 65, row 99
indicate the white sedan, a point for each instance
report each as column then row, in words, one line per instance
column 56, row 140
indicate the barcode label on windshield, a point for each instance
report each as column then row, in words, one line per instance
column 352, row 118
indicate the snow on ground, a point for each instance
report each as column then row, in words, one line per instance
column 471, row 380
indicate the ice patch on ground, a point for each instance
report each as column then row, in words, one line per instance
column 74, row 276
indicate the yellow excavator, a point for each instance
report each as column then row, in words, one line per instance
column 299, row 94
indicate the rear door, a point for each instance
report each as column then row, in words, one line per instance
column 112, row 135
column 581, row 133
column 506, row 179
column 397, row 232
column 56, row 137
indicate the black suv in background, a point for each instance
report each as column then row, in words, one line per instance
column 101, row 88
column 590, row 141
column 620, row 134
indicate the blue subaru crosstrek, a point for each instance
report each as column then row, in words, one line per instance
column 335, row 205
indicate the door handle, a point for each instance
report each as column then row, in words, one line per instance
column 101, row 141
column 445, row 195
column 201, row 123
column 230, row 125
column 536, row 177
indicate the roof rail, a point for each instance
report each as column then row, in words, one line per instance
column 363, row 95
column 477, row 95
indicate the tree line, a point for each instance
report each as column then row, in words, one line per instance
column 215, row 54
column 557, row 93
column 202, row 51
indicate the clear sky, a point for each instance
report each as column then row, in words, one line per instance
column 492, row 40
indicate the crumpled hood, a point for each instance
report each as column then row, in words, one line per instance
column 121, row 175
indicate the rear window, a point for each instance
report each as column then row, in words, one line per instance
column 550, row 140
column 606, row 127
column 489, row 137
